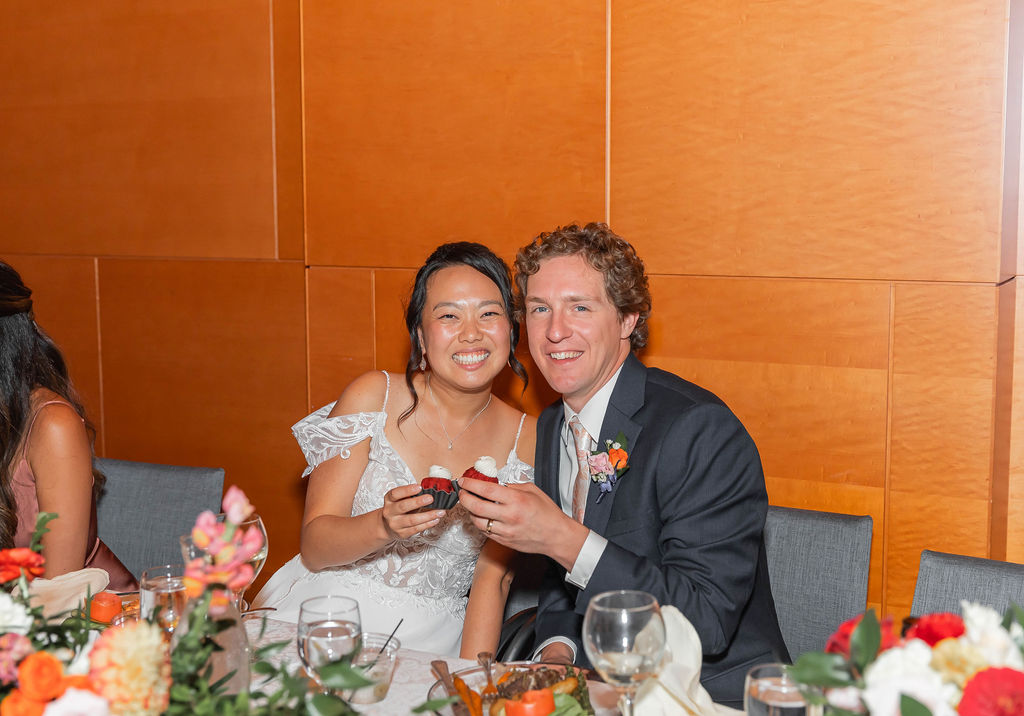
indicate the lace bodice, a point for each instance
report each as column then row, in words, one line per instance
column 437, row 563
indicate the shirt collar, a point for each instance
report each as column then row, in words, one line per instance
column 592, row 414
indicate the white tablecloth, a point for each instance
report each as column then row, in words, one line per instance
column 409, row 686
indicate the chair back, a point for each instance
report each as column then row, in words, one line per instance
column 146, row 507
column 945, row 579
column 818, row 565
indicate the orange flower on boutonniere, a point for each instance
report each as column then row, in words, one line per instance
column 17, row 559
column 607, row 466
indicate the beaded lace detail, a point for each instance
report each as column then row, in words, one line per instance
column 435, row 565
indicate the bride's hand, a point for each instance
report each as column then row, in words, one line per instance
column 399, row 515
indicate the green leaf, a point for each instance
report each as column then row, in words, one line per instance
column 909, row 706
column 819, row 669
column 864, row 642
column 42, row 519
column 435, row 704
column 262, row 667
column 327, row 705
column 341, row 675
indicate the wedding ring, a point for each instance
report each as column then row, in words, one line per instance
column 489, row 525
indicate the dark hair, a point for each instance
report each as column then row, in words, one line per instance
column 459, row 253
column 625, row 280
column 29, row 359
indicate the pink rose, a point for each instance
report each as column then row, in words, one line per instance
column 13, row 648
column 600, row 464
column 237, row 506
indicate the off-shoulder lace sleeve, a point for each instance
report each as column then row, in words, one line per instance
column 322, row 437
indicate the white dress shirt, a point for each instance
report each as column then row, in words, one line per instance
column 592, row 417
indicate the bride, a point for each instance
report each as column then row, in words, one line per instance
column 367, row 532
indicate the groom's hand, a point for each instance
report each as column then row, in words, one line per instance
column 524, row 518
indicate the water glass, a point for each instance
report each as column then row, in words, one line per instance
column 162, row 596
column 375, row 661
column 770, row 691
column 328, row 630
column 624, row 637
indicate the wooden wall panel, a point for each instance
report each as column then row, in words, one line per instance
column 430, row 121
column 341, row 330
column 1015, row 501
column 205, row 364
column 772, row 350
column 809, row 138
column 64, row 302
column 287, row 128
column 137, row 129
column 943, row 403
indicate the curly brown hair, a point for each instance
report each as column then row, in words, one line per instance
column 625, row 279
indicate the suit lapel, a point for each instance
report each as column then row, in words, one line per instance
column 549, row 430
column 627, row 398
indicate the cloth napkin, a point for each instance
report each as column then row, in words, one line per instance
column 677, row 688
column 68, row 591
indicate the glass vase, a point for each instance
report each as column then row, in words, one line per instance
column 214, row 618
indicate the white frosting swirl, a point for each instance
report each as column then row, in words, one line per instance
column 486, row 465
column 439, row 471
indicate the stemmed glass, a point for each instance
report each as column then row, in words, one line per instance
column 190, row 551
column 770, row 691
column 624, row 637
column 328, row 631
column 162, row 595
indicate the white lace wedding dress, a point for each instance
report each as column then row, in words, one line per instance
column 423, row 579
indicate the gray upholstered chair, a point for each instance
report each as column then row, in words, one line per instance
column 818, row 564
column 146, row 507
column 945, row 579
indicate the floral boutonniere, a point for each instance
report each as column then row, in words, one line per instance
column 606, row 466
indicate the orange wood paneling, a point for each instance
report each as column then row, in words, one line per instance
column 137, row 129
column 64, row 302
column 1015, row 488
column 1002, row 421
column 205, row 364
column 943, row 407
column 288, row 127
column 430, row 121
column 810, row 138
column 341, row 330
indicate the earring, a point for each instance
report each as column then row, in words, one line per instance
column 423, row 364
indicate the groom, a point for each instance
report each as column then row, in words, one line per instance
column 644, row 481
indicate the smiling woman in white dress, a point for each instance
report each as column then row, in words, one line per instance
column 366, row 532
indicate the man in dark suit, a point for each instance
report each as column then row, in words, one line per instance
column 680, row 514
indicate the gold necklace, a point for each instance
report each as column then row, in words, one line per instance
column 451, row 440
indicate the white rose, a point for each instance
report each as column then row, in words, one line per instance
column 78, row 702
column 984, row 631
column 13, row 615
column 906, row 670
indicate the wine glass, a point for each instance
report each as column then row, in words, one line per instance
column 162, row 596
column 328, row 630
column 624, row 637
column 771, row 691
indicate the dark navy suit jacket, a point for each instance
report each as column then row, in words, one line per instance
column 685, row 522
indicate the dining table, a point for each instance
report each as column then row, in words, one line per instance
column 409, row 685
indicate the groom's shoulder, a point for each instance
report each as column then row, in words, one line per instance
column 663, row 386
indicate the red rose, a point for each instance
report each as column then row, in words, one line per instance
column 933, row 628
column 13, row 561
column 993, row 692
column 839, row 643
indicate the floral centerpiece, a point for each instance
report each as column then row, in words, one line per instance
column 943, row 665
column 67, row 665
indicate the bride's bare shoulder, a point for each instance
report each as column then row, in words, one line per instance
column 365, row 394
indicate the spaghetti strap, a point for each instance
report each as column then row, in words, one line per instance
column 387, row 391
column 32, row 422
column 522, row 419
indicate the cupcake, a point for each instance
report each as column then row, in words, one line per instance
column 438, row 484
column 485, row 468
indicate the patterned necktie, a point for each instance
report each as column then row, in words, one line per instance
column 581, row 487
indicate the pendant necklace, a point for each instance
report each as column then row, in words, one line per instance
column 451, row 440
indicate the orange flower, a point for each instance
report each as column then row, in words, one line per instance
column 17, row 559
column 41, row 676
column 992, row 692
column 76, row 681
column 618, row 458
column 17, row 704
